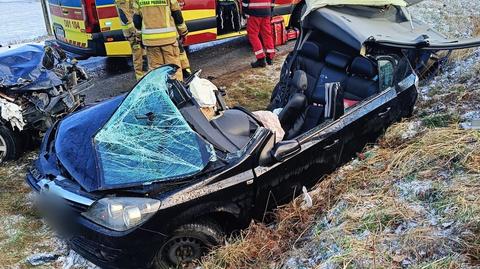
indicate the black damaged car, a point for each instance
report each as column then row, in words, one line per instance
column 146, row 179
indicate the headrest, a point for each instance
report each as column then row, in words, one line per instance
column 311, row 50
column 337, row 59
column 299, row 80
column 363, row 67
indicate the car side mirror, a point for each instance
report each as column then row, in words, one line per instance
column 285, row 149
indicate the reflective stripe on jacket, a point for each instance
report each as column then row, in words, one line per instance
column 258, row 8
column 125, row 11
column 161, row 20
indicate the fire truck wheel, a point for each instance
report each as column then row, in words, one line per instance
column 9, row 147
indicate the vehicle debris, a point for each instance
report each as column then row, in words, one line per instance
column 38, row 86
column 12, row 113
column 42, row 258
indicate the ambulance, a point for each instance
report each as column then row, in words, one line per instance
column 93, row 27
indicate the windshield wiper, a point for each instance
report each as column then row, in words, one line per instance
column 150, row 117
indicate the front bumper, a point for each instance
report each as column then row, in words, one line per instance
column 106, row 248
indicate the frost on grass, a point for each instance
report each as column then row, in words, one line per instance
column 409, row 202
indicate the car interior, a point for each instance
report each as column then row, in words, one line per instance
column 229, row 131
column 329, row 79
column 337, row 79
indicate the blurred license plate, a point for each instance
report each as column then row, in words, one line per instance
column 59, row 33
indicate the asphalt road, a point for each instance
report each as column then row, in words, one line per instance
column 114, row 76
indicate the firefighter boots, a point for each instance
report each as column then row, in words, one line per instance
column 259, row 63
column 269, row 60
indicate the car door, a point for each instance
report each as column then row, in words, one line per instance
column 280, row 182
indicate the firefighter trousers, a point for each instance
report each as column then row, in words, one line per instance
column 135, row 40
column 166, row 54
column 137, row 55
column 260, row 27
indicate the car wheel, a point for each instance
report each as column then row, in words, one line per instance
column 188, row 243
column 9, row 148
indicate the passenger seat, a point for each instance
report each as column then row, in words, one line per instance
column 363, row 80
column 335, row 70
column 310, row 61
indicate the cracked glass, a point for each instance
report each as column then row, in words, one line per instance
column 147, row 139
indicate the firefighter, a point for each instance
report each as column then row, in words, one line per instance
column 259, row 13
column 162, row 23
column 125, row 10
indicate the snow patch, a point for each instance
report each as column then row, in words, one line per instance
column 74, row 261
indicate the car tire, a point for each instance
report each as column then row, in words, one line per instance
column 9, row 146
column 192, row 241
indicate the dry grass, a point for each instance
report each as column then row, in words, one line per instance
column 411, row 200
column 21, row 230
column 464, row 53
column 252, row 88
column 372, row 209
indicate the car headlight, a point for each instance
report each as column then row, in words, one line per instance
column 121, row 214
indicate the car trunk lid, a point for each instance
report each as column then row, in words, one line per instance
column 423, row 42
column 391, row 26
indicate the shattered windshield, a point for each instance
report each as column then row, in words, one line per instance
column 147, row 139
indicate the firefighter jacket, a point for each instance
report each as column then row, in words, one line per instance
column 258, row 8
column 126, row 11
column 161, row 21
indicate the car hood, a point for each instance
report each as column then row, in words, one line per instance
column 74, row 141
column 22, row 69
column 132, row 140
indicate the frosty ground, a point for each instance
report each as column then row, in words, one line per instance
column 22, row 20
column 408, row 201
column 411, row 200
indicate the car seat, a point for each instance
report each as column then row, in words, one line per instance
column 310, row 61
column 335, row 70
column 229, row 132
column 363, row 81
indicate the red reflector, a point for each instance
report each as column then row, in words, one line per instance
column 110, row 39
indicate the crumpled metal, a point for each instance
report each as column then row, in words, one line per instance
column 22, row 69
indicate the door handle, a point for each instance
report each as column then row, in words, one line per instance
column 332, row 145
column 384, row 113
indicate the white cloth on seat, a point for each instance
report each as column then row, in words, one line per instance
column 270, row 121
column 203, row 91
